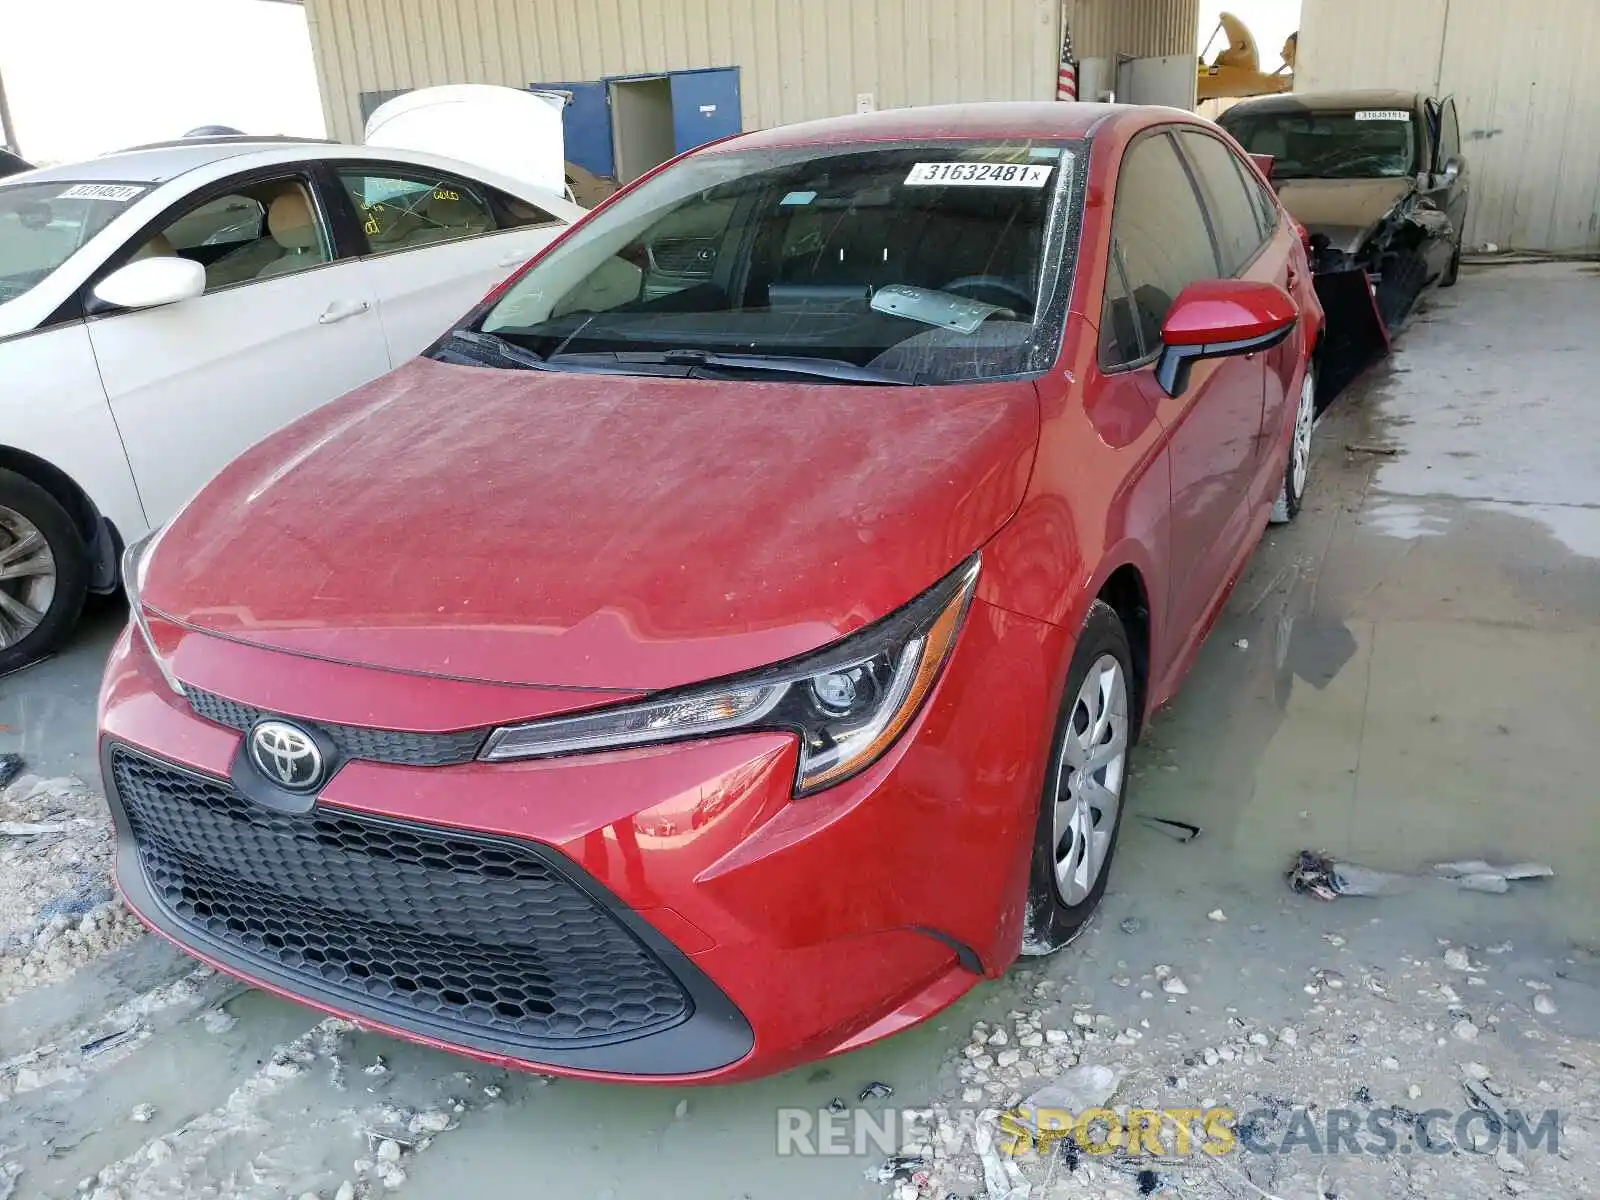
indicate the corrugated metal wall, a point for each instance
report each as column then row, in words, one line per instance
column 1527, row 86
column 798, row 59
column 1133, row 28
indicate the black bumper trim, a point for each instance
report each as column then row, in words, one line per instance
column 714, row 1036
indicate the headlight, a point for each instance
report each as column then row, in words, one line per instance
column 135, row 563
column 847, row 703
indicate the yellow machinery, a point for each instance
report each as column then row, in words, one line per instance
column 1236, row 71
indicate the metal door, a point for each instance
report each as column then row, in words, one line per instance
column 705, row 106
column 585, row 125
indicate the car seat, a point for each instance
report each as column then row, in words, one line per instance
column 156, row 247
column 445, row 220
column 293, row 225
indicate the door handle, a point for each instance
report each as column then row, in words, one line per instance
column 340, row 310
column 1294, row 277
column 513, row 260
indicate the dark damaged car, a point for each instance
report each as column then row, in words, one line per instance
column 1379, row 183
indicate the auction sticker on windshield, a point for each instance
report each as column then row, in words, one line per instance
column 1383, row 114
column 972, row 174
column 119, row 192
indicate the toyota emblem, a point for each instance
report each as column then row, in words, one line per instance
column 287, row 755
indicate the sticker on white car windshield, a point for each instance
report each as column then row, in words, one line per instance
column 1383, row 114
column 976, row 174
column 119, row 192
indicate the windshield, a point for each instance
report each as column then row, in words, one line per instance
column 1367, row 143
column 894, row 262
column 44, row 224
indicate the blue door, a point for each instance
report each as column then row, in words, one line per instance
column 705, row 106
column 585, row 125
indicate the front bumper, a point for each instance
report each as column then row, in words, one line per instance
column 668, row 914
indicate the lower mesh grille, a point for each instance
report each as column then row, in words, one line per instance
column 427, row 923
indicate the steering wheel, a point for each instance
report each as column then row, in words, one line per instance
column 1017, row 302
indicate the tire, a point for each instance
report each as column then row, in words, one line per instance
column 44, row 572
column 1453, row 271
column 1059, row 908
column 1297, row 470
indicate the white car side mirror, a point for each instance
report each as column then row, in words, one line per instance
column 151, row 282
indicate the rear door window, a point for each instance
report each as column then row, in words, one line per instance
column 403, row 212
column 1234, row 219
column 1159, row 232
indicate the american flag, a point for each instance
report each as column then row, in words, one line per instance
column 1067, row 74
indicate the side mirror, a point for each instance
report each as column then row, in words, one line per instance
column 1217, row 318
column 152, row 282
column 1264, row 163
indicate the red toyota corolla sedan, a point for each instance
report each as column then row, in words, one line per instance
column 725, row 647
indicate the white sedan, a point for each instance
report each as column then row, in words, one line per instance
column 163, row 309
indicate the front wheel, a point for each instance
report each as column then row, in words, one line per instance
column 44, row 571
column 1080, row 812
column 1452, row 272
column 1297, row 471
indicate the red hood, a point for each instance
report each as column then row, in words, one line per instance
column 593, row 530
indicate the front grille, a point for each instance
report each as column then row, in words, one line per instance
column 355, row 741
column 429, row 925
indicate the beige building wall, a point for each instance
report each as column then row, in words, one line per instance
column 798, row 59
column 1526, row 79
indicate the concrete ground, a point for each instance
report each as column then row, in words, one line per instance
column 1405, row 675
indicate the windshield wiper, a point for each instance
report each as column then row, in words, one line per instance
column 822, row 368
column 486, row 349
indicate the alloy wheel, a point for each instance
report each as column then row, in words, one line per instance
column 1089, row 780
column 27, row 577
column 1305, row 417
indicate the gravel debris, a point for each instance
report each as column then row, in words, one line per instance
column 58, row 909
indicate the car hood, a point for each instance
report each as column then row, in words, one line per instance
column 590, row 530
column 1346, row 211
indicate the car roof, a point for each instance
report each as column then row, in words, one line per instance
column 1296, row 102
column 158, row 164
column 1008, row 119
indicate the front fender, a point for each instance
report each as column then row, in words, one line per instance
column 55, row 410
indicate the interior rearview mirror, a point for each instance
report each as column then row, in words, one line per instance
column 1217, row 318
column 152, row 282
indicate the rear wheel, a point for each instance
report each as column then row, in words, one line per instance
column 44, row 571
column 1297, row 471
column 1080, row 813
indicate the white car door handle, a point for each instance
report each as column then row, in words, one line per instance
column 513, row 260
column 339, row 310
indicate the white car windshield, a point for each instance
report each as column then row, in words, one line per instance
column 888, row 262
column 44, row 224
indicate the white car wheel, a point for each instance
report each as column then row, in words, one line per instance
column 1297, row 471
